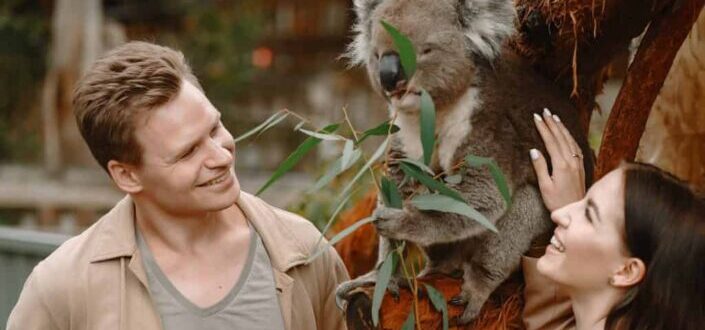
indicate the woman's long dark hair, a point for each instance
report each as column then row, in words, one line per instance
column 664, row 224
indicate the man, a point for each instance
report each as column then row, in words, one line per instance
column 185, row 249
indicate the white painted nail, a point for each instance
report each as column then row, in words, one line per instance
column 534, row 154
column 546, row 112
column 537, row 117
column 556, row 118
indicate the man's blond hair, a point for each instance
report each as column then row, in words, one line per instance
column 129, row 79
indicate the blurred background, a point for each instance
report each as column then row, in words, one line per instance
column 253, row 57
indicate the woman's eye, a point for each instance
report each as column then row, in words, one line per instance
column 587, row 215
column 188, row 153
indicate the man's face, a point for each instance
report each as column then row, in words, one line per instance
column 188, row 156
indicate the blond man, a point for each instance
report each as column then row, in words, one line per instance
column 185, row 249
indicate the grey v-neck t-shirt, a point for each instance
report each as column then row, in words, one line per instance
column 251, row 304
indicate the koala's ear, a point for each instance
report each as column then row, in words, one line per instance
column 486, row 25
column 357, row 50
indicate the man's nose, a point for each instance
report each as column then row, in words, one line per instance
column 220, row 155
column 390, row 71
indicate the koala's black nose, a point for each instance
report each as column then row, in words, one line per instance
column 390, row 71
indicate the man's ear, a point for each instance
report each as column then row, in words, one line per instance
column 125, row 177
column 630, row 274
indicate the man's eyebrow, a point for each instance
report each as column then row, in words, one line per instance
column 591, row 204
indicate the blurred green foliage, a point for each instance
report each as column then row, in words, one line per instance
column 24, row 33
column 217, row 39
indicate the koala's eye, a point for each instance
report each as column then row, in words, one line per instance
column 427, row 50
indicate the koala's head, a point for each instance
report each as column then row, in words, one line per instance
column 450, row 37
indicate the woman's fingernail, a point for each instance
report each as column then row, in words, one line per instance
column 537, row 117
column 546, row 112
column 534, row 154
column 556, row 118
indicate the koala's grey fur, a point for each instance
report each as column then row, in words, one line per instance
column 485, row 97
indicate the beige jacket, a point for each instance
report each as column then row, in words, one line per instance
column 97, row 281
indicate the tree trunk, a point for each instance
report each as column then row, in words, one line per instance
column 77, row 40
column 674, row 134
column 645, row 78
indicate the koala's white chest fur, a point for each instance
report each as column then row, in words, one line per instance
column 452, row 129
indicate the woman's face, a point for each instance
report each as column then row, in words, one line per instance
column 588, row 246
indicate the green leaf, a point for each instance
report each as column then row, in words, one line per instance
column 384, row 275
column 322, row 136
column 453, row 179
column 428, row 126
column 296, row 156
column 495, row 171
column 276, row 118
column 381, row 130
column 339, row 236
column 439, row 302
column 299, row 125
column 378, row 153
column 390, row 194
column 329, row 223
column 407, row 54
column 430, row 182
column 447, row 204
column 409, row 323
column 336, row 169
column 419, row 165
column 347, row 154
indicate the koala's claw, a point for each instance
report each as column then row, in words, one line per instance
column 342, row 293
column 458, row 301
column 387, row 221
column 470, row 311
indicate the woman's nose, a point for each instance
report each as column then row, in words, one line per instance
column 561, row 216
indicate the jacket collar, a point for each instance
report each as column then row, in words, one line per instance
column 116, row 233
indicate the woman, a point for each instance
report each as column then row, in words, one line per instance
column 630, row 253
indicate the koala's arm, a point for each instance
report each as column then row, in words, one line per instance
column 430, row 227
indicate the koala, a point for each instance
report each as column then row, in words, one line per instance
column 485, row 96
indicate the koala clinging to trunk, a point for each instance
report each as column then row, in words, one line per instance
column 485, row 97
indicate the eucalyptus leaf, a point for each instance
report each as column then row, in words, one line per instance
column 384, row 275
column 330, row 220
column 336, row 169
column 453, row 179
column 496, row 172
column 443, row 203
column 390, row 194
column 428, row 126
column 347, row 153
column 380, row 130
column 322, row 136
column 409, row 323
column 418, row 164
column 407, row 53
column 339, row 236
column 299, row 125
column 439, row 303
column 276, row 117
column 430, row 182
column 378, row 153
column 296, row 156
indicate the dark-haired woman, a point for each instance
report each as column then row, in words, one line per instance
column 630, row 253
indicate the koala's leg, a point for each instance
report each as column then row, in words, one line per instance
column 344, row 290
column 500, row 254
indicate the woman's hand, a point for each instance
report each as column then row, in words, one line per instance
column 567, row 182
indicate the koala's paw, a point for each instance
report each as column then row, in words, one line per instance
column 344, row 291
column 471, row 309
column 388, row 222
